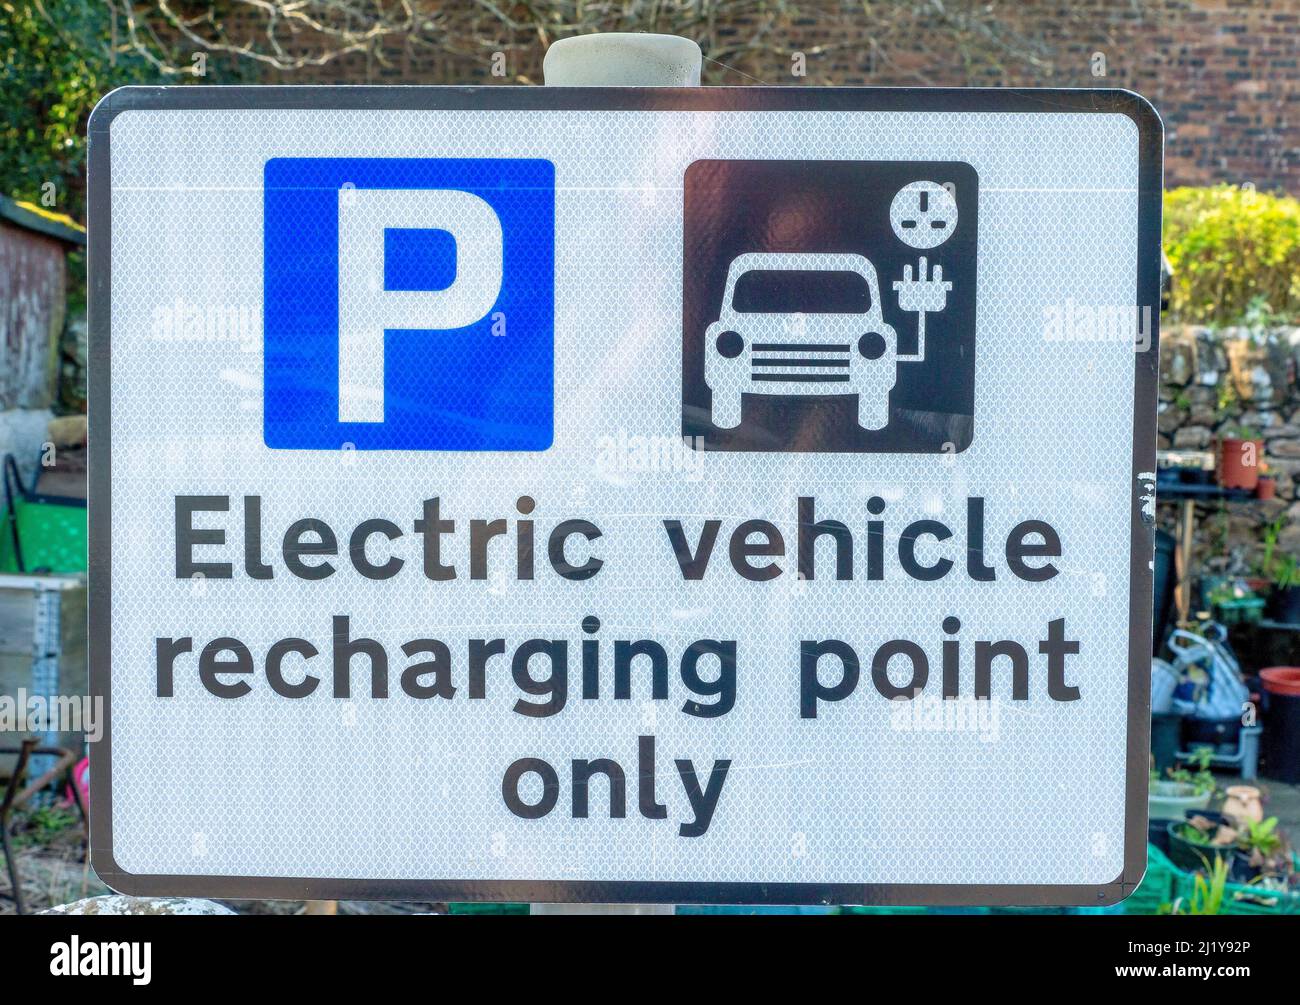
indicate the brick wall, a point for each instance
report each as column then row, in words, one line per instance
column 1224, row 74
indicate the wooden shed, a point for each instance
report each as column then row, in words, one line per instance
column 33, row 300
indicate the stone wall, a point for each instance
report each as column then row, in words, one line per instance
column 1210, row 382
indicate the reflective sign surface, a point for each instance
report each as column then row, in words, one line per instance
column 710, row 495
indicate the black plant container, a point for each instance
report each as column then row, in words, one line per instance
column 1284, row 605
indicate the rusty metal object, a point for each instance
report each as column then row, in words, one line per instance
column 13, row 796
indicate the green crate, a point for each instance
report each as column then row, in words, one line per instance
column 8, row 553
column 1239, row 899
column 487, row 908
column 39, row 533
column 1160, row 885
column 877, row 909
column 52, row 536
column 1165, row 883
column 1244, row 610
column 1247, row 898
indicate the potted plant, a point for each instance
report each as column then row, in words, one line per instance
column 1198, row 839
column 1284, row 601
column 1207, row 893
column 1239, row 451
column 1234, row 603
column 1185, row 788
column 1262, row 851
column 1281, row 574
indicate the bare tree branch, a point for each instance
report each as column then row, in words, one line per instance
column 749, row 38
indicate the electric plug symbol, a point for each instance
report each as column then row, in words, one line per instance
column 920, row 296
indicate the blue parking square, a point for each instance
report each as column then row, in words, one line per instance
column 399, row 332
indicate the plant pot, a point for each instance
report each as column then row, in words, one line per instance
column 1171, row 800
column 1281, row 680
column 1188, row 855
column 1237, row 462
column 1213, row 733
column 1166, row 739
column 1266, row 488
column 1280, row 746
column 1239, row 611
column 1284, row 604
column 1240, row 869
column 1243, row 803
column 1158, row 834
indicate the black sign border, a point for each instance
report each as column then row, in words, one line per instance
column 719, row 99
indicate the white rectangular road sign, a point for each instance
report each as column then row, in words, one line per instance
column 615, row 494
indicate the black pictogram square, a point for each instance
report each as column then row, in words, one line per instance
column 829, row 306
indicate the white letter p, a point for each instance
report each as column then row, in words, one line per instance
column 366, row 309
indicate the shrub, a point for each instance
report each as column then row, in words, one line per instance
column 1235, row 255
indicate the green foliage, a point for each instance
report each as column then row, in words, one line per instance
column 43, row 825
column 1262, row 836
column 1285, row 572
column 1196, row 772
column 1192, row 834
column 1224, row 592
column 1235, row 255
column 57, row 59
column 1282, row 570
column 54, row 65
column 1207, row 894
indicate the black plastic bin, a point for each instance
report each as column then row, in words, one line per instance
column 1166, row 739
column 1165, row 584
column 1280, row 745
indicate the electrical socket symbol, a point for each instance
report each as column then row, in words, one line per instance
column 814, row 321
column 923, row 214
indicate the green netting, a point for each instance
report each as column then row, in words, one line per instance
column 487, row 908
column 1159, row 886
column 1165, row 884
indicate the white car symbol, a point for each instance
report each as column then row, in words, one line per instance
column 805, row 324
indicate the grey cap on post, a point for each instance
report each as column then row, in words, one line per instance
column 622, row 59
